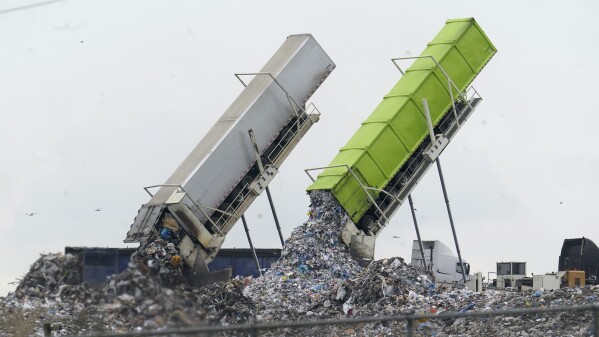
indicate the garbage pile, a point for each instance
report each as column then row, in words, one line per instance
column 160, row 256
column 554, row 324
column 389, row 282
column 314, row 279
column 151, row 294
column 443, row 300
column 53, row 276
column 307, row 282
column 135, row 299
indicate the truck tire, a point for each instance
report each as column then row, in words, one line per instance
column 233, row 195
column 223, row 207
column 216, row 219
column 247, row 180
column 367, row 223
column 286, row 135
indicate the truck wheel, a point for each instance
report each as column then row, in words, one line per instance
column 233, row 195
column 247, row 180
column 383, row 204
column 393, row 191
column 286, row 134
column 223, row 207
column 396, row 181
column 216, row 218
column 367, row 223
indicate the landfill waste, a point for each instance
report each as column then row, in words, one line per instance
column 150, row 294
column 161, row 257
column 310, row 278
column 315, row 278
column 51, row 275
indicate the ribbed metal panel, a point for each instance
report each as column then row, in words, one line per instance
column 397, row 127
column 225, row 154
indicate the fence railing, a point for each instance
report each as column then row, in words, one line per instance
column 409, row 319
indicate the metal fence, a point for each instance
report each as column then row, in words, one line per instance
column 409, row 319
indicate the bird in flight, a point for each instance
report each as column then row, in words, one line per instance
column 97, row 210
column 30, row 214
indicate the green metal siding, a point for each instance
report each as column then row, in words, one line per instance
column 383, row 143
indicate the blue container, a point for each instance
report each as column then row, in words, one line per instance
column 241, row 260
column 100, row 263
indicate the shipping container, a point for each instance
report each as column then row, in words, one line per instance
column 97, row 264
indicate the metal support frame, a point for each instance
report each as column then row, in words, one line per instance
column 274, row 159
column 274, row 214
column 296, row 108
column 311, row 116
column 247, row 233
column 417, row 231
column 449, row 132
column 438, row 161
column 450, row 86
column 413, row 217
column 261, row 168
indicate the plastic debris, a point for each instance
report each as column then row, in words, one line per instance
column 315, row 278
column 468, row 307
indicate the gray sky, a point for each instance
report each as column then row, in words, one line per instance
column 101, row 98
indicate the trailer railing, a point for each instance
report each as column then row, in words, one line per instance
column 305, row 119
column 409, row 319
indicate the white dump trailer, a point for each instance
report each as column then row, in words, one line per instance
column 440, row 261
column 228, row 169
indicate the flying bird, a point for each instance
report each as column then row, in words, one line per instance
column 97, row 210
column 30, row 214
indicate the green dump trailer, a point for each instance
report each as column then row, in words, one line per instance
column 392, row 149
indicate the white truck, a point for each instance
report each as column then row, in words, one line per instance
column 441, row 261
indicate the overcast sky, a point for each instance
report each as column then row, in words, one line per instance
column 101, row 98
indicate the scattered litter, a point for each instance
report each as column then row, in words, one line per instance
column 315, row 278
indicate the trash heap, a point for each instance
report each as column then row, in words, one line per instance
column 150, row 294
column 314, row 279
column 160, row 257
column 53, row 276
column 307, row 282
column 554, row 324
column 135, row 299
column 390, row 284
